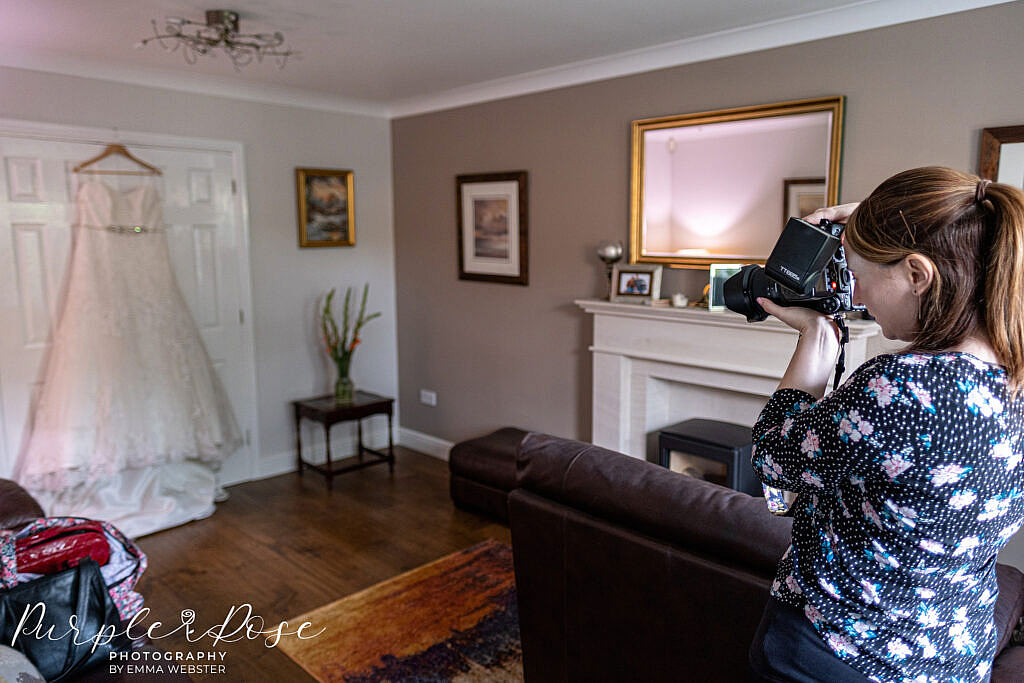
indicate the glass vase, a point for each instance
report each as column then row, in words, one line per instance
column 344, row 389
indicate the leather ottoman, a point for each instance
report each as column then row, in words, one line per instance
column 483, row 471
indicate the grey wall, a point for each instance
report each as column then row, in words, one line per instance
column 286, row 280
column 506, row 355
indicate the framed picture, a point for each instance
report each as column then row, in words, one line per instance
column 720, row 272
column 326, row 207
column 638, row 283
column 1001, row 157
column 491, row 222
column 801, row 196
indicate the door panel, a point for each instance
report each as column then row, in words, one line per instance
column 36, row 213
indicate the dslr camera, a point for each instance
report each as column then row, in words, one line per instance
column 807, row 268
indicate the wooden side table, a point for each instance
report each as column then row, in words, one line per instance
column 328, row 412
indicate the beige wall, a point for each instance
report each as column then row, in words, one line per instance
column 286, row 280
column 507, row 355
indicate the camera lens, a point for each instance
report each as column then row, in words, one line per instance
column 741, row 292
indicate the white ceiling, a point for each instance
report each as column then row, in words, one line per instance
column 400, row 57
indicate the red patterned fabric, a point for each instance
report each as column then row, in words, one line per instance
column 122, row 571
column 58, row 548
column 8, row 563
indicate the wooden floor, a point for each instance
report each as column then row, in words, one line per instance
column 287, row 545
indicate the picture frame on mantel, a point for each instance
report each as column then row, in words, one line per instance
column 326, row 207
column 637, row 283
column 492, row 230
column 719, row 273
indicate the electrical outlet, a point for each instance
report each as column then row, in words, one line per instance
column 428, row 397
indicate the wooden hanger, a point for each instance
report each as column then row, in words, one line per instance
column 121, row 150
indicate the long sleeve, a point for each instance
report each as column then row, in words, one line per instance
column 910, row 482
column 803, row 445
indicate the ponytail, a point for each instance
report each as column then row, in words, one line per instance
column 972, row 230
column 1004, row 284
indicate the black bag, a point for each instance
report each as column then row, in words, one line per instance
column 79, row 591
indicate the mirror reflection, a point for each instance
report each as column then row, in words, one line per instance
column 718, row 186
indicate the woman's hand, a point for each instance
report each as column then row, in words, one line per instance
column 835, row 214
column 816, row 351
column 803, row 320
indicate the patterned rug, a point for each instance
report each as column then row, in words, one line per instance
column 454, row 619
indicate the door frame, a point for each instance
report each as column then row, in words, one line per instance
column 51, row 132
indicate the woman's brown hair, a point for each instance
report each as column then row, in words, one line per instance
column 973, row 232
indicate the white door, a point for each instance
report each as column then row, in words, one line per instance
column 207, row 247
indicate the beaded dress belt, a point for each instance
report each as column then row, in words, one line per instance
column 128, row 229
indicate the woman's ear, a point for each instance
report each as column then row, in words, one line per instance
column 920, row 272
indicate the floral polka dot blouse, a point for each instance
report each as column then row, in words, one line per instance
column 910, row 482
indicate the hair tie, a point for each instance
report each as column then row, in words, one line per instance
column 979, row 190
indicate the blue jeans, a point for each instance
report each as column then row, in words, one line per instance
column 787, row 648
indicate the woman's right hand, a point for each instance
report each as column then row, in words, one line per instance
column 834, row 214
column 803, row 320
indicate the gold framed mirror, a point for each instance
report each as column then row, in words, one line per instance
column 709, row 187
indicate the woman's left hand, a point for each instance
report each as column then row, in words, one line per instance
column 836, row 214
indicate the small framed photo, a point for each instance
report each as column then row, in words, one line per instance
column 801, row 196
column 326, row 207
column 719, row 273
column 492, row 227
column 638, row 283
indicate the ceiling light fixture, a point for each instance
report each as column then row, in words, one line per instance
column 219, row 31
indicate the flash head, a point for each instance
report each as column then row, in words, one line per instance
column 802, row 252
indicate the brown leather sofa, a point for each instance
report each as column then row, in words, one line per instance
column 18, row 508
column 483, row 471
column 628, row 571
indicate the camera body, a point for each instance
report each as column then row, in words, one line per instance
column 807, row 268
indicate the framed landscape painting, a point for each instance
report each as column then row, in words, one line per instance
column 326, row 207
column 492, row 229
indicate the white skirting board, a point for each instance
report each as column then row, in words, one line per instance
column 424, row 443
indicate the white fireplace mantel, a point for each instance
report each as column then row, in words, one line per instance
column 655, row 366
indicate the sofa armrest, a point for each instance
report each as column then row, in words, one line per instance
column 654, row 500
column 1009, row 606
column 1008, row 666
column 17, row 506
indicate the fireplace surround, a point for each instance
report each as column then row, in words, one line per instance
column 655, row 366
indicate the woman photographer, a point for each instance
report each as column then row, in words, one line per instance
column 909, row 474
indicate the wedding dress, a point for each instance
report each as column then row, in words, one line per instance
column 131, row 421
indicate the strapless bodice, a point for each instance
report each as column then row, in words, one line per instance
column 102, row 206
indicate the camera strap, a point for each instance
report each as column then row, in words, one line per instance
column 844, row 337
